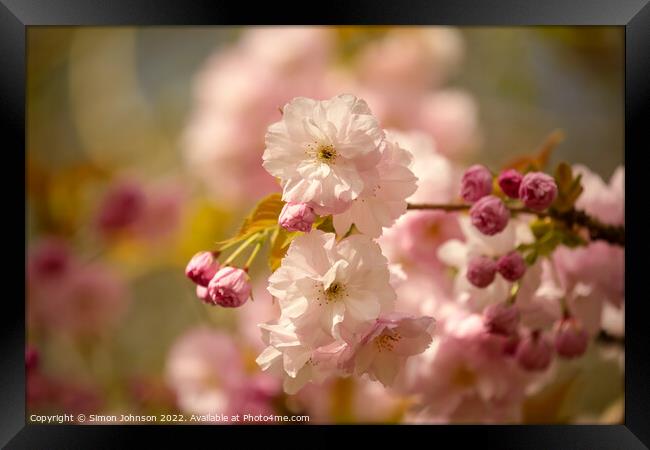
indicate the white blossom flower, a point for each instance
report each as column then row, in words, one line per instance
column 319, row 149
column 323, row 284
column 383, row 199
column 382, row 350
column 297, row 362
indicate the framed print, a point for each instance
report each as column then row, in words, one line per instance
column 378, row 219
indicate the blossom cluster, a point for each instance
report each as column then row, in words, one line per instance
column 370, row 257
column 359, row 296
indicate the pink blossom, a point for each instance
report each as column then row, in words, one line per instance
column 262, row 310
column 291, row 51
column 204, row 369
column 297, row 360
column 383, row 199
column 413, row 59
column 201, row 268
column 481, row 271
column 466, row 378
column 163, row 212
column 437, row 176
column 324, row 285
column 571, row 339
column 255, row 395
column 537, row 190
column 476, row 183
column 416, row 237
column 489, row 215
column 451, row 117
column 230, row 287
column 326, row 403
column 121, row 206
column 604, row 201
column 509, row 182
column 319, row 149
column 86, row 300
column 599, row 264
column 534, row 352
column 511, row 266
column 383, row 350
column 500, row 318
column 235, row 101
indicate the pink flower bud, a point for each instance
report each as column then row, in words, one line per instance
column 476, row 183
column 201, row 268
column 534, row 352
column 489, row 215
column 481, row 271
column 297, row 217
column 230, row 287
column 509, row 181
column 571, row 339
column 510, row 345
column 538, row 190
column 501, row 319
column 121, row 207
column 512, row 266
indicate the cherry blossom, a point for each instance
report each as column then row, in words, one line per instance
column 322, row 283
column 383, row 199
column 319, row 149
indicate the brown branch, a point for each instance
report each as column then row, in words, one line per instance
column 614, row 234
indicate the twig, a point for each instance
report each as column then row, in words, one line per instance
column 614, row 234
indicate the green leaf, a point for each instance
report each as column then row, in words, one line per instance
column 569, row 188
column 263, row 217
column 563, row 177
column 575, row 190
column 279, row 245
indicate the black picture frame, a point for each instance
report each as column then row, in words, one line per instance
column 633, row 15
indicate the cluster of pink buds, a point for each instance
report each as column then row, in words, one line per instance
column 225, row 286
column 534, row 350
column 489, row 214
column 482, row 270
column 536, row 190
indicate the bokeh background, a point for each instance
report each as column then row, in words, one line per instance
column 141, row 119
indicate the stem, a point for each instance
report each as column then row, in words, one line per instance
column 252, row 256
column 240, row 249
column 227, row 246
column 597, row 230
